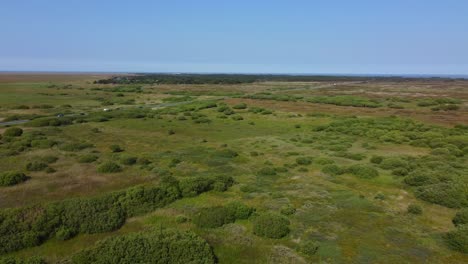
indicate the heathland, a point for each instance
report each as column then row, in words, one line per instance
column 232, row 169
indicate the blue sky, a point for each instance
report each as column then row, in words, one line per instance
column 359, row 36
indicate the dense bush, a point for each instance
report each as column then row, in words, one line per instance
column 309, row 248
column 239, row 210
column 451, row 195
column 271, row 225
column 332, row 169
column 218, row 216
column 345, row 100
column 193, row 186
column 36, row 166
column 240, row 106
column 288, row 210
column 304, row 160
column 376, row 159
column 49, row 159
column 13, row 132
column 116, row 148
column 414, row 209
column 128, row 160
column 87, row 158
column 421, row 177
column 226, row 153
column 213, row 217
column 393, row 163
column 352, row 156
column 76, row 146
column 158, row 246
column 11, row 178
column 109, row 167
column 461, row 218
column 458, row 239
column 363, row 171
column 31, row 226
column 267, row 171
column 64, row 233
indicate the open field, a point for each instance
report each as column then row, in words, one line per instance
column 354, row 171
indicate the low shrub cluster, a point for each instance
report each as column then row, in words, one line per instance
column 30, row 226
column 414, row 209
column 13, row 132
column 360, row 170
column 12, row 178
column 87, row 158
column 304, row 160
column 76, row 146
column 461, row 218
column 109, row 167
column 345, row 100
column 218, row 216
column 156, row 246
column 271, row 225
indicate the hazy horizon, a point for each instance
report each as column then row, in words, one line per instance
column 323, row 37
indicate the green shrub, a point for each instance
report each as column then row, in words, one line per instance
column 363, row 171
column 109, row 167
column 43, row 143
column 239, row 210
column 12, row 178
column 87, row 158
column 36, row 166
column 380, row 196
column 267, row 171
column 193, row 186
column 213, row 217
column 458, row 239
column 414, row 209
column 393, row 163
column 181, row 219
column 158, row 246
column 64, row 233
column 128, row 160
column 76, row 146
column 351, row 156
column 376, row 159
column 324, row 161
column 13, row 132
column 451, row 195
column 49, row 159
column 226, row 153
column 304, row 160
column 116, row 148
column 332, row 169
column 288, row 210
column 237, row 117
column 461, row 218
column 240, row 106
column 421, row 177
column 309, row 248
column 271, row 225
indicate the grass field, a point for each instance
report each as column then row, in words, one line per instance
column 342, row 161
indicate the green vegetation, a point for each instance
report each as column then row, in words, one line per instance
column 271, row 225
column 11, row 178
column 164, row 246
column 276, row 169
column 13, row 132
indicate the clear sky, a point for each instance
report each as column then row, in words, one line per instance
column 295, row 36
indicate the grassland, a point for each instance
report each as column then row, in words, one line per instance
column 341, row 160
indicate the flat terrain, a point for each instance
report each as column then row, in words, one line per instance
column 340, row 160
